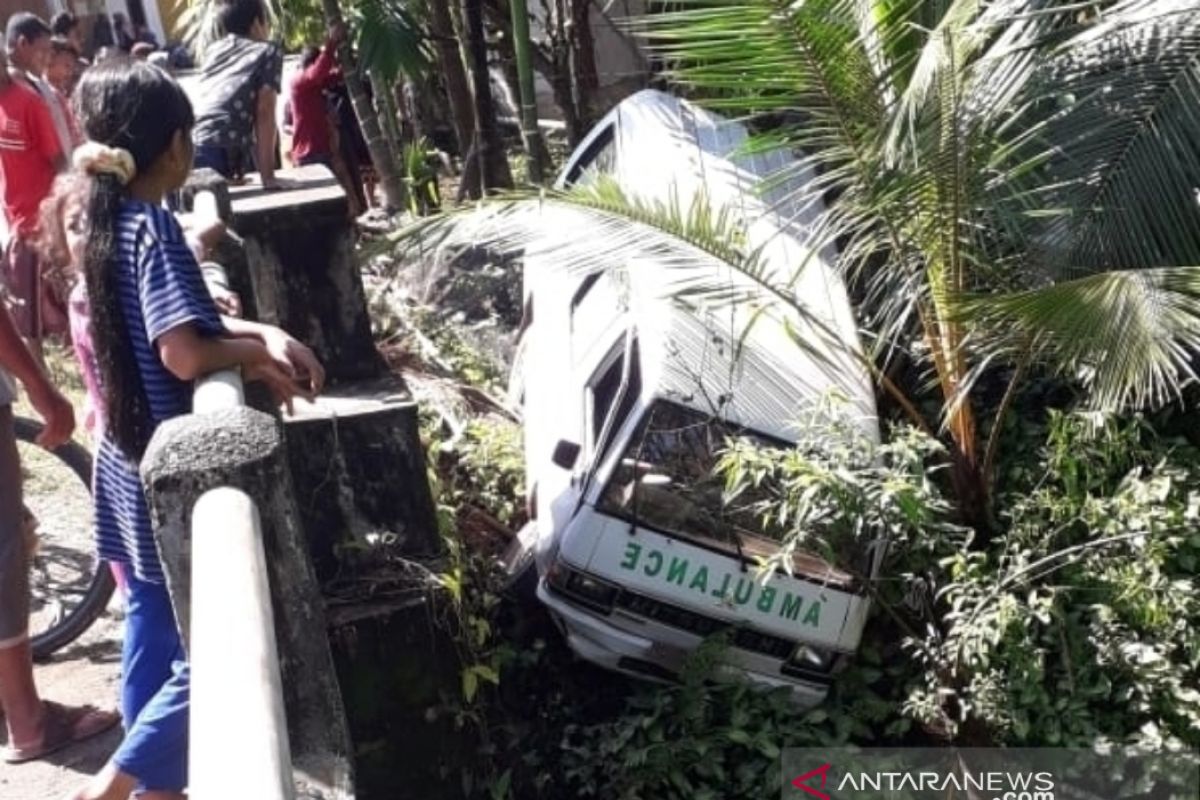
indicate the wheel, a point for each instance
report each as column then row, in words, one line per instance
column 69, row 586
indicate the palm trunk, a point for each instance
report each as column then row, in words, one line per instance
column 489, row 149
column 944, row 339
column 385, row 163
column 450, row 59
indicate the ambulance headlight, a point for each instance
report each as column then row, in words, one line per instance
column 809, row 661
column 581, row 587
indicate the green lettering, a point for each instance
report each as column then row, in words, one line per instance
column 677, row 571
column 742, row 598
column 766, row 599
column 657, row 558
column 633, row 551
column 724, row 587
column 813, row 615
column 700, row 580
column 791, row 606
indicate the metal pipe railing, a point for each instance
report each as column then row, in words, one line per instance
column 238, row 746
column 218, row 391
column 238, row 743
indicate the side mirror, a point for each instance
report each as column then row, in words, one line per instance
column 565, row 454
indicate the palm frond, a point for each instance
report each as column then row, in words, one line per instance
column 1113, row 170
column 391, row 39
column 591, row 226
column 1131, row 336
column 596, row 225
column 756, row 56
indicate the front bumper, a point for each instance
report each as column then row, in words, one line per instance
column 647, row 649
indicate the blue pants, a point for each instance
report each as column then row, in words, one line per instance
column 325, row 159
column 154, row 691
column 214, row 158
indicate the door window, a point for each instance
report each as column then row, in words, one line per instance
column 606, row 398
column 600, row 158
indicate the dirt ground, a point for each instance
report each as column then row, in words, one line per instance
column 84, row 672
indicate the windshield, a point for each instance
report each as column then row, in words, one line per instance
column 667, row 480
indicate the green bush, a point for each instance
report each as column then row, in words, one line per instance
column 1081, row 623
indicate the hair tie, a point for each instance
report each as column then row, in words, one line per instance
column 95, row 158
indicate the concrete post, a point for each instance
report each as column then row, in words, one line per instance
column 359, row 470
column 299, row 253
column 242, row 448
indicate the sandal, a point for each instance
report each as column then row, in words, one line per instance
column 63, row 726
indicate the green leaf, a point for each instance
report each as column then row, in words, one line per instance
column 1132, row 335
column 500, row 789
column 739, row 736
column 486, row 673
column 391, row 41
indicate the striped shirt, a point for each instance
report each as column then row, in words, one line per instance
column 161, row 288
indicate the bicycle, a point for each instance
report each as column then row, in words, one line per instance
column 69, row 586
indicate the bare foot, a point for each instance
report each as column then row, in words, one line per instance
column 108, row 784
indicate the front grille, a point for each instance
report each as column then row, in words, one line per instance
column 647, row 668
column 700, row 625
column 668, row 614
column 805, row 673
column 764, row 643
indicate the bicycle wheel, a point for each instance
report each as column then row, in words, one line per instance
column 69, row 587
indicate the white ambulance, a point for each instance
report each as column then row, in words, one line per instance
column 629, row 397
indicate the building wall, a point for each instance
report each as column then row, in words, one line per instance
column 170, row 12
column 621, row 63
column 40, row 7
column 87, row 11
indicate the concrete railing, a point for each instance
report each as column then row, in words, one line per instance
column 238, row 740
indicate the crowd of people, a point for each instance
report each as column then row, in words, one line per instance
column 89, row 157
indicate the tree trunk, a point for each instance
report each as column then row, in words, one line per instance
column 551, row 58
column 970, row 486
column 385, row 164
column 457, row 89
column 500, row 14
column 385, row 106
column 412, row 123
column 489, row 149
column 585, row 78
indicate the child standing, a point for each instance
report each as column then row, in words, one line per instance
column 154, row 330
column 62, row 246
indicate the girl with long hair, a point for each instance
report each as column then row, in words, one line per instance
column 154, row 329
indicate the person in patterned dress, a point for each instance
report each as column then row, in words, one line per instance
column 237, row 88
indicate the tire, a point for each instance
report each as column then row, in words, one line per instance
column 99, row 589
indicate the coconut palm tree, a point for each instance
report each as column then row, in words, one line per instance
column 1008, row 183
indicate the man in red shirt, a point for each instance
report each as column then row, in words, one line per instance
column 310, row 116
column 30, row 156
